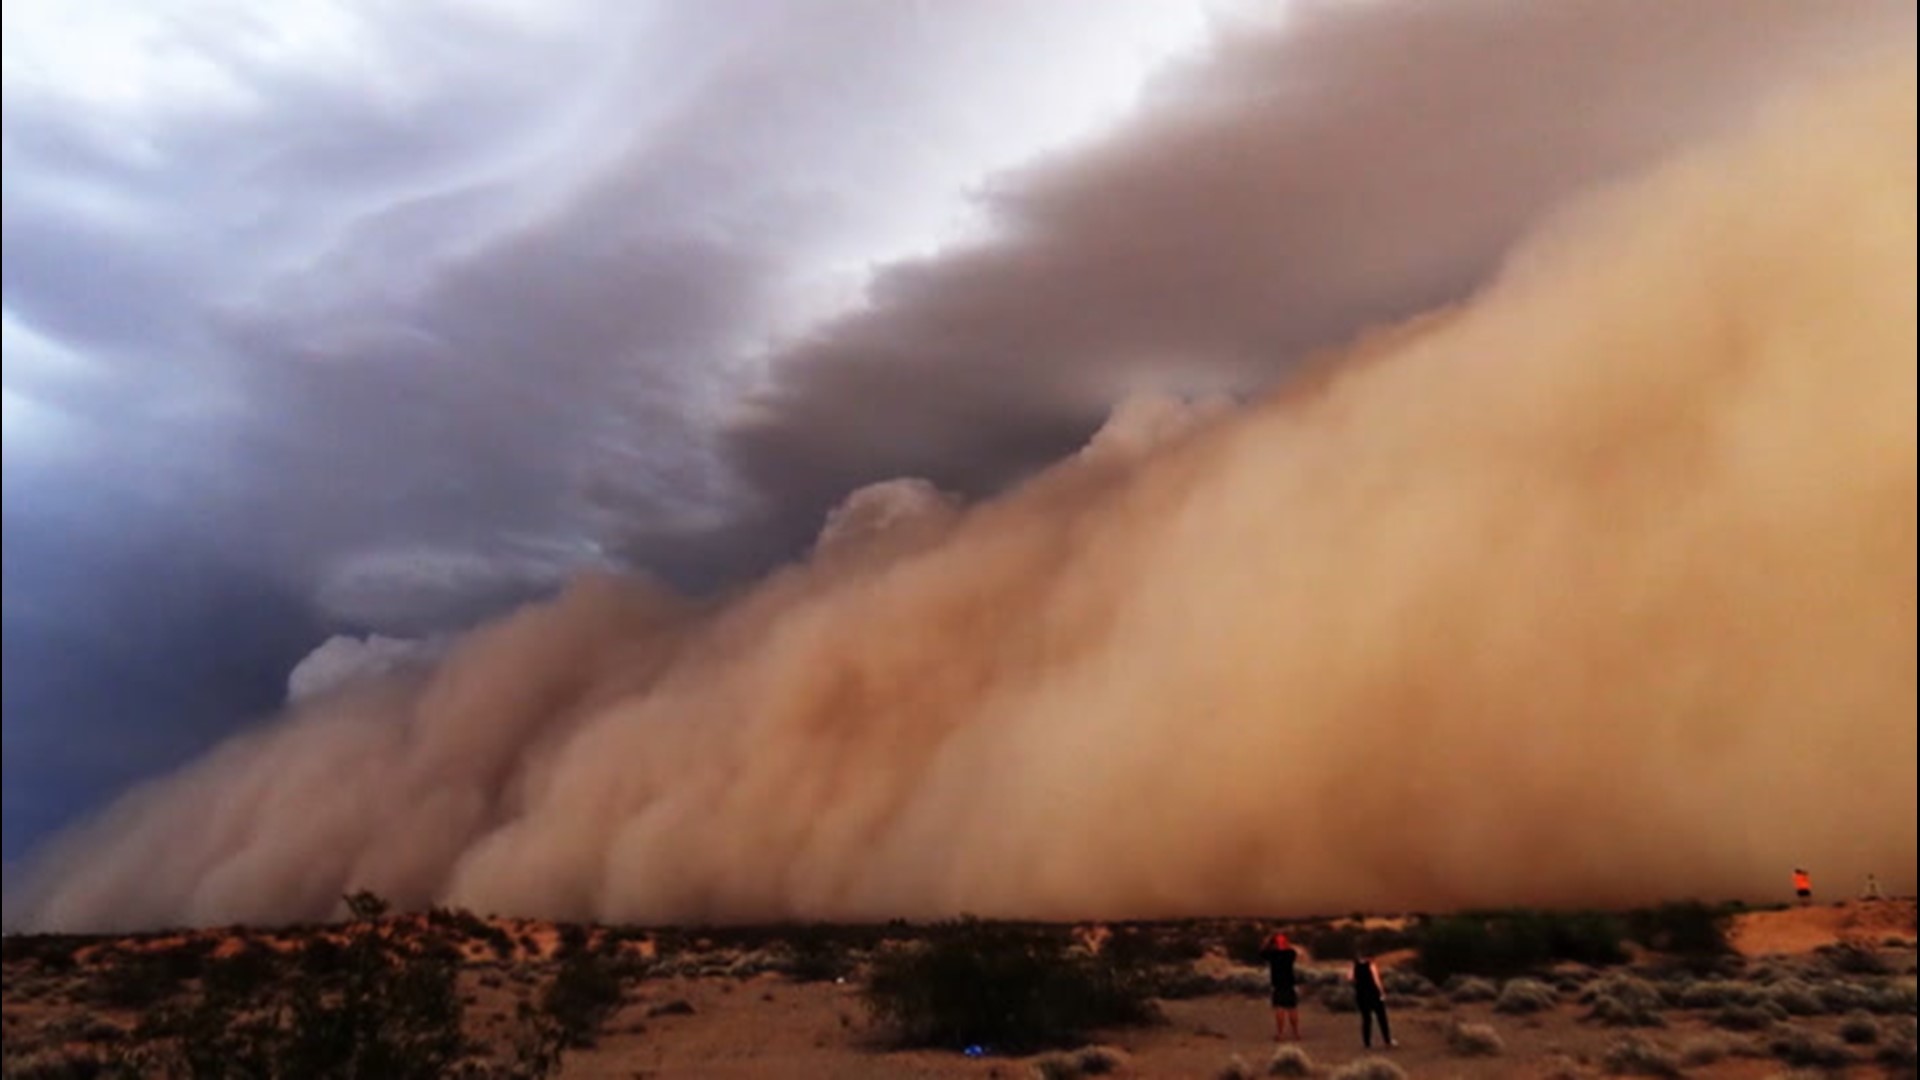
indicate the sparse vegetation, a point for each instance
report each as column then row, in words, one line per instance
column 1804, row 1048
column 1524, row 996
column 1515, row 942
column 1859, row 1029
column 1290, row 1061
column 1687, row 930
column 1369, row 1068
column 1625, row 1001
column 1636, row 1055
column 1003, row 986
column 1474, row 1040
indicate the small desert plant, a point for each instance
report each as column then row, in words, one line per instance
column 1236, row 1068
column 1338, row 997
column 1474, row 1040
column 1369, row 1068
column 1634, row 1055
column 1100, row 1060
column 1624, row 1001
column 1853, row 958
column 1463, row 989
column 1290, row 1061
column 1521, row 996
column 1859, row 1029
column 1748, row 1017
column 1796, row 997
column 1718, row 993
column 1802, row 1048
column 1704, row 1050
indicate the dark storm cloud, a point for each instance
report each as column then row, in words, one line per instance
column 1340, row 165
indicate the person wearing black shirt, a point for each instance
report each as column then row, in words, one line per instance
column 1280, row 957
column 1371, row 999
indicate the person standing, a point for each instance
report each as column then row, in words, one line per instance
column 1803, row 886
column 1281, row 956
column 1370, row 995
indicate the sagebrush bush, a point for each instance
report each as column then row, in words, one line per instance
column 1006, row 987
column 1719, row 993
column 1859, row 1029
column 1236, row 1068
column 1474, row 1040
column 1369, row 1068
column 1796, row 997
column 1290, row 1061
column 1523, row 996
column 1625, row 1001
column 1803, row 1048
column 1704, row 1050
column 1635, row 1055
column 1748, row 1017
column 1465, row 989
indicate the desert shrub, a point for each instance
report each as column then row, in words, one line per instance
column 1624, row 1001
column 1687, row 929
column 1290, row 1061
column 1236, row 1068
column 1748, row 1017
column 246, row 974
column 972, row 982
column 1405, row 983
column 1704, row 1050
column 1634, row 1055
column 1852, row 958
column 1474, row 1040
column 1100, row 1061
column 1859, row 1029
column 1802, row 1048
column 1464, row 989
column 584, row 992
column 1369, row 1068
column 1338, row 997
column 137, row 981
column 1344, row 941
column 1897, row 1054
column 1719, row 993
column 1796, row 997
column 1515, row 942
column 1520, row 996
column 1892, row 999
column 1844, row 995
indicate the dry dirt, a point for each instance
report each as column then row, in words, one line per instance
column 720, row 1009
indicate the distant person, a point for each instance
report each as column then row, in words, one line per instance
column 1370, row 995
column 1871, row 890
column 1803, row 886
column 1280, row 956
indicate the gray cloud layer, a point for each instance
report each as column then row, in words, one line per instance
column 1633, row 531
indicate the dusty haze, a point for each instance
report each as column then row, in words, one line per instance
column 1597, row 589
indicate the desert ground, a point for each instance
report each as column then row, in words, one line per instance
column 1826, row 989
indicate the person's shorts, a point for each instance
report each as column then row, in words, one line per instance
column 1286, row 998
column 1804, row 894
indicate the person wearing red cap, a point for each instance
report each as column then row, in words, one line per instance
column 1280, row 957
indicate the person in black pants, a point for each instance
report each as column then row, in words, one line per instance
column 1371, row 997
column 1280, row 957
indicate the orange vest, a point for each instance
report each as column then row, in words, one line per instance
column 1802, row 881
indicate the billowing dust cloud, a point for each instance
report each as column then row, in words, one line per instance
column 1596, row 589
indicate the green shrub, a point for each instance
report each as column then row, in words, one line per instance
column 1006, row 987
column 1719, row 993
column 584, row 992
column 1687, row 929
column 1515, row 942
column 1465, row 989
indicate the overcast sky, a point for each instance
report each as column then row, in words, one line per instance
column 333, row 316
